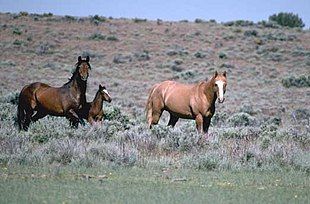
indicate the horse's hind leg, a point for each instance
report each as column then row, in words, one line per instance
column 155, row 118
column 27, row 119
column 173, row 120
column 38, row 115
column 199, row 123
column 21, row 115
column 154, row 112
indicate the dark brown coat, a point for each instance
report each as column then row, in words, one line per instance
column 38, row 99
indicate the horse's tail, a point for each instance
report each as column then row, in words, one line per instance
column 149, row 106
column 21, row 115
column 22, row 109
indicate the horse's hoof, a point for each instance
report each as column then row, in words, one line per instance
column 82, row 122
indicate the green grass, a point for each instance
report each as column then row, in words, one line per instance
column 136, row 185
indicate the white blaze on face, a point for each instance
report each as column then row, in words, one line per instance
column 105, row 91
column 220, row 85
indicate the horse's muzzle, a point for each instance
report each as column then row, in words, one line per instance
column 84, row 78
column 221, row 100
column 109, row 101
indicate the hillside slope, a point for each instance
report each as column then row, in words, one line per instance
column 129, row 56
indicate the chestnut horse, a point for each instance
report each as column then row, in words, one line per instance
column 188, row 101
column 92, row 111
column 38, row 99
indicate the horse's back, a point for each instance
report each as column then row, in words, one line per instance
column 33, row 87
column 174, row 97
column 160, row 89
column 168, row 89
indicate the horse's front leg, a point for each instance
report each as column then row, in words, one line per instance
column 73, row 118
column 206, row 124
column 91, row 120
column 173, row 120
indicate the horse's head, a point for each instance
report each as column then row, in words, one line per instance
column 220, row 83
column 105, row 94
column 83, row 67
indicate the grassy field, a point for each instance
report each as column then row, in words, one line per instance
column 258, row 148
column 135, row 185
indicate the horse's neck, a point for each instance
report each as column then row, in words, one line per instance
column 78, row 86
column 97, row 102
column 209, row 92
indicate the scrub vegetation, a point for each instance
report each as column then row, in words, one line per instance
column 258, row 142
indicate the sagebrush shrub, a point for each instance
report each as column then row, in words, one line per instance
column 17, row 31
column 301, row 114
column 47, row 14
column 139, row 20
column 239, row 23
column 11, row 97
column 250, row 33
column 198, row 20
column 186, row 75
column 241, row 119
column 301, row 81
column 97, row 36
column 142, row 56
column 98, row 18
column 112, row 38
column 70, row 18
column 200, row 54
column 113, row 113
column 120, row 58
column 222, row 55
column 268, row 24
column 44, row 48
column 247, row 109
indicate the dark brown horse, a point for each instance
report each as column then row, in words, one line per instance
column 189, row 101
column 92, row 111
column 37, row 100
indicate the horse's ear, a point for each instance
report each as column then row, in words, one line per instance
column 79, row 59
column 100, row 87
column 224, row 73
column 215, row 74
column 87, row 59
